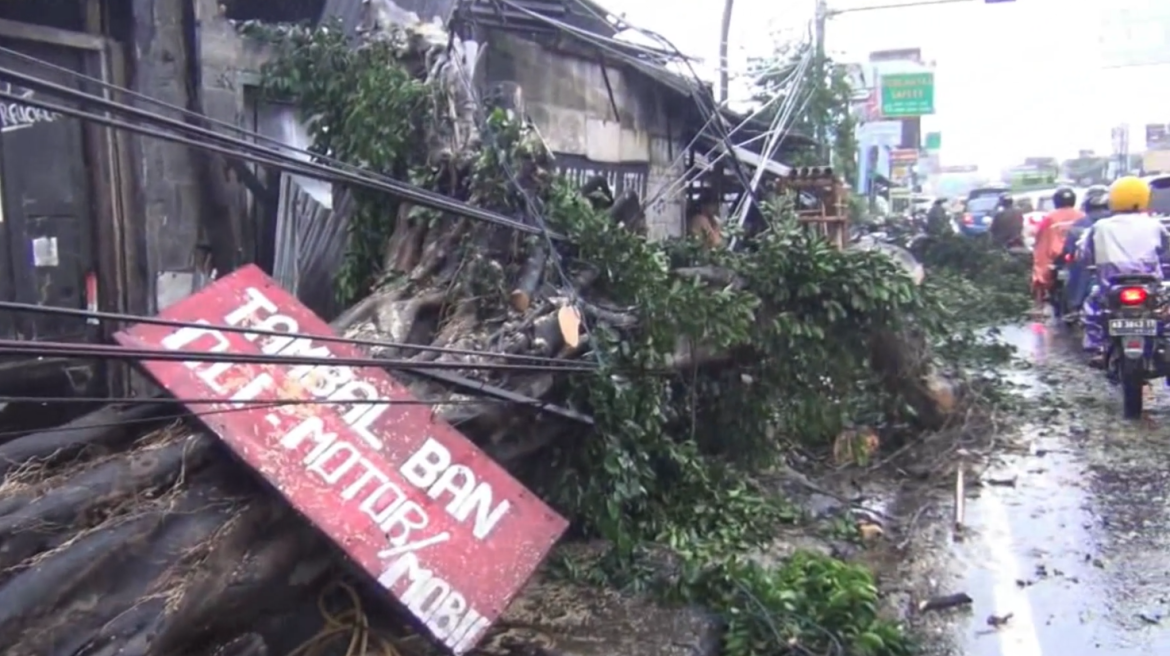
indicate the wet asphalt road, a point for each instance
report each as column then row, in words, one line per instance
column 1076, row 554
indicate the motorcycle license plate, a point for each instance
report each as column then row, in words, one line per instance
column 1062, row 275
column 1133, row 327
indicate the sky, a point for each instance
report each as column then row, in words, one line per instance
column 1027, row 78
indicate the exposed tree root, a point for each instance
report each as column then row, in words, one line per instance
column 166, row 547
column 105, row 429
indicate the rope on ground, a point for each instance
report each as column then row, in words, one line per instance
column 351, row 622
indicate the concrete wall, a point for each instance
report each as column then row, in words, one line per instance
column 168, row 182
column 188, row 196
column 567, row 98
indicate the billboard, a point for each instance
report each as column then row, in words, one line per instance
column 907, row 95
column 881, row 133
column 904, row 156
column 900, row 54
column 438, row 524
column 1158, row 136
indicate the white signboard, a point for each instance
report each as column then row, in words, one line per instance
column 881, row 133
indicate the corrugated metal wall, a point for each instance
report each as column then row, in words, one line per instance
column 311, row 229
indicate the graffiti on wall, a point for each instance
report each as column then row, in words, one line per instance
column 15, row 116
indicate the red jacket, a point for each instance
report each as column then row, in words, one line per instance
column 1050, row 238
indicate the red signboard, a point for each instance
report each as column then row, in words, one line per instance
column 440, row 525
column 904, row 156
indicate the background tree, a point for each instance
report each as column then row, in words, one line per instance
column 823, row 106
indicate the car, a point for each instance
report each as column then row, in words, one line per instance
column 1159, row 193
column 979, row 211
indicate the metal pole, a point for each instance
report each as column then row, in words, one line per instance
column 822, row 16
column 724, row 35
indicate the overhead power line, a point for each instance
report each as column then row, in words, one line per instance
column 234, row 147
column 113, row 317
column 108, row 352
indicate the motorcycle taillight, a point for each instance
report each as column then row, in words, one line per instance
column 968, row 219
column 1133, row 296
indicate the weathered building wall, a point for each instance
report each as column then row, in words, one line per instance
column 228, row 64
column 168, row 186
column 567, row 98
column 184, row 53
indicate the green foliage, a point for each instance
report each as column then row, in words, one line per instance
column 982, row 284
column 789, row 609
column 671, row 461
column 365, row 108
column 784, row 346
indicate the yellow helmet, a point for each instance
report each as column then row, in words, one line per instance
column 1129, row 194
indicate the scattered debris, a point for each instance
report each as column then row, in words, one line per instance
column 960, row 491
column 1150, row 618
column 997, row 621
column 945, row 602
column 1002, row 482
column 870, row 532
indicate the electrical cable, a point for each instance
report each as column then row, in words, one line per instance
column 680, row 182
column 353, row 622
column 242, row 405
column 251, row 151
column 253, row 403
column 776, row 131
column 614, row 45
column 697, row 86
column 119, row 353
column 243, row 132
column 701, row 97
column 176, row 416
column 111, row 317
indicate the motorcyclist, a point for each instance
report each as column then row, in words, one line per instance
column 1130, row 242
column 1095, row 207
column 1007, row 228
column 938, row 221
column 1050, row 239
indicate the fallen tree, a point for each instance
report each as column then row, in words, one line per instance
column 711, row 363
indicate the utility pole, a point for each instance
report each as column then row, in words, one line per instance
column 822, row 15
column 724, row 36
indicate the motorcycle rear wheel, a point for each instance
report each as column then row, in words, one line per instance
column 1132, row 394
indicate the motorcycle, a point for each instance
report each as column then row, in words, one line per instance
column 1135, row 316
column 1057, row 293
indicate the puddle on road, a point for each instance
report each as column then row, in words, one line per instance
column 1077, row 552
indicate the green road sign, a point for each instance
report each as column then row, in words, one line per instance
column 933, row 140
column 907, row 94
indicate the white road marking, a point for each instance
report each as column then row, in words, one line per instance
column 1019, row 636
